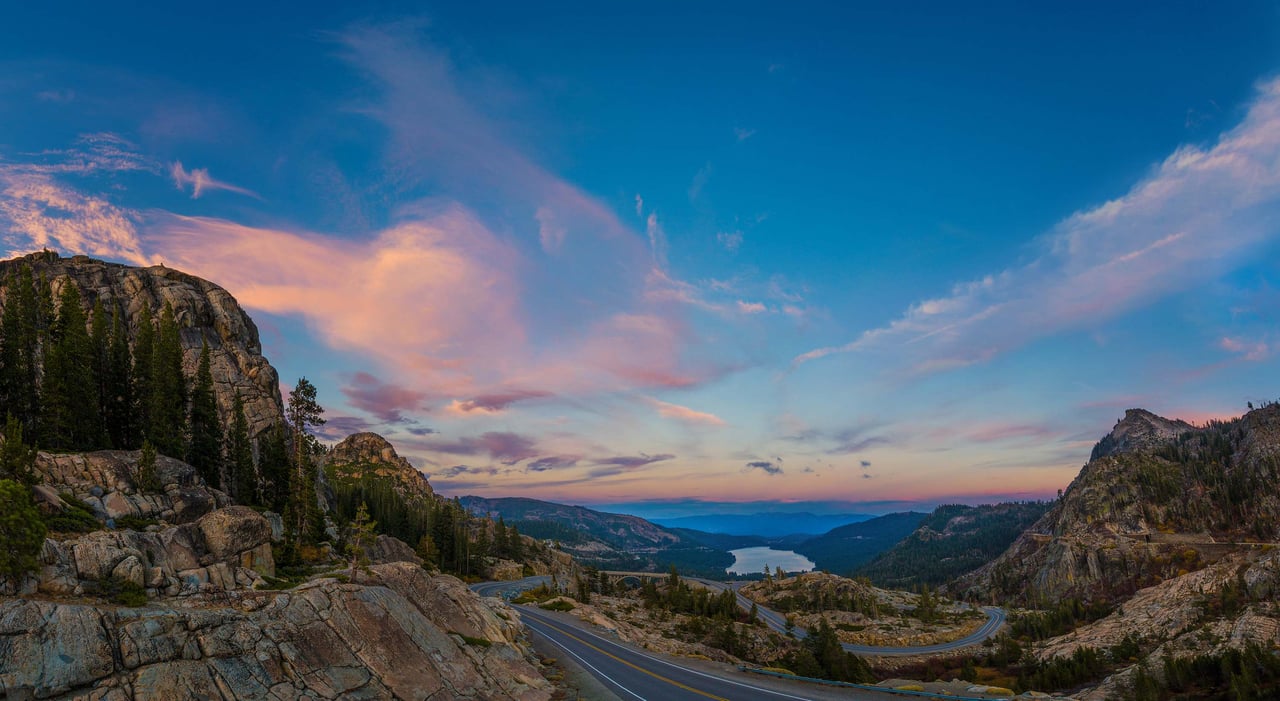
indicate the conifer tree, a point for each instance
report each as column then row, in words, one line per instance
column 147, row 478
column 100, row 343
column 304, row 412
column 273, row 463
column 17, row 459
column 144, row 347
column 168, row 390
column 205, row 452
column 361, row 535
column 19, row 349
column 241, row 477
column 119, row 418
column 21, row 530
column 69, row 417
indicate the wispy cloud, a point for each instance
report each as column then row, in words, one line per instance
column 607, row 467
column 742, row 133
column 1196, row 213
column 495, row 403
column 42, row 213
column 731, row 240
column 503, row 446
column 201, row 182
column 1249, row 349
column 684, row 413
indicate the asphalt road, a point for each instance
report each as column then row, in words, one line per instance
column 778, row 622
column 632, row 674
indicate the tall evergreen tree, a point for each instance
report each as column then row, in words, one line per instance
column 119, row 418
column 100, row 343
column 303, row 413
column 144, row 347
column 69, row 416
column 17, row 459
column 240, row 473
column 19, row 350
column 273, row 464
column 205, row 452
column 168, row 390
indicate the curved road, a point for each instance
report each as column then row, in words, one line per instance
column 778, row 622
column 634, row 674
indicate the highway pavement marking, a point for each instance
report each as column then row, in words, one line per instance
column 543, row 620
column 592, row 667
column 636, row 667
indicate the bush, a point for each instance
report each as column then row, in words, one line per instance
column 122, row 592
column 135, row 523
column 22, row 530
column 560, row 605
column 75, row 517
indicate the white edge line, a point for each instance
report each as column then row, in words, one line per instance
column 592, row 667
column 693, row 671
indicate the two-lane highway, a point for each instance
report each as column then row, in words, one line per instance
column 633, row 674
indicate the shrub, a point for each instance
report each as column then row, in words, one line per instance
column 22, row 530
column 122, row 592
column 135, row 523
column 75, row 517
column 559, row 605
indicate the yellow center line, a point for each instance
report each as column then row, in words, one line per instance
column 638, row 668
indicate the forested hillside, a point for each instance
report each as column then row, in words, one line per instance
column 950, row 541
column 843, row 549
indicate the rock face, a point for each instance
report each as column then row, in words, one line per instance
column 1160, row 499
column 105, row 481
column 408, row 636
column 223, row 550
column 205, row 313
column 363, row 454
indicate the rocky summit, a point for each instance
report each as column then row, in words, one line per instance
column 1159, row 499
column 205, row 313
column 368, row 454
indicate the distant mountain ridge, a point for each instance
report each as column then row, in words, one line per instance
column 843, row 549
column 608, row 541
column 770, row 524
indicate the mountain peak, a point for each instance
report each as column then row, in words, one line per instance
column 364, row 452
column 1139, row 431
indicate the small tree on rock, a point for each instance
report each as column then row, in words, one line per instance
column 21, row 530
column 360, row 537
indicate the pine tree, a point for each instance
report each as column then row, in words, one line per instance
column 168, row 390
column 147, row 478
column 273, row 463
column 304, row 412
column 205, row 452
column 144, row 347
column 427, row 551
column 100, row 343
column 361, row 535
column 241, row 477
column 19, row 350
column 119, row 418
column 21, row 530
column 17, row 459
column 69, row 417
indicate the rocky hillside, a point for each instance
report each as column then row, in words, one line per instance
column 403, row 635
column 1159, row 499
column 608, row 541
column 368, row 455
column 952, row 540
column 205, row 313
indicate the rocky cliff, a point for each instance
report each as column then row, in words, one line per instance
column 1159, row 499
column 403, row 635
column 205, row 313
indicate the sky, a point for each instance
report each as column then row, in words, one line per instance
column 876, row 254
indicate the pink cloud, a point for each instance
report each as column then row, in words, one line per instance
column 385, row 401
column 684, row 413
column 494, row 403
column 751, row 307
column 505, row 447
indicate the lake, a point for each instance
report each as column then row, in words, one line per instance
column 753, row 560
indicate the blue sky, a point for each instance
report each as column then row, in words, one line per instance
column 905, row 252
